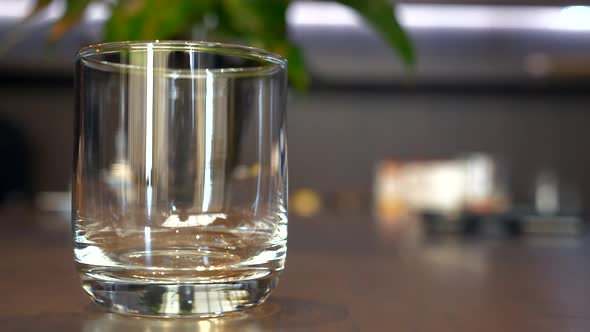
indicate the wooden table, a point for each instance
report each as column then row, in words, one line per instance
column 344, row 273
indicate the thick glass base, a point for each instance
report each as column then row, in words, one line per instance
column 179, row 300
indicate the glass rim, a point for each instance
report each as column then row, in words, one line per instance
column 270, row 62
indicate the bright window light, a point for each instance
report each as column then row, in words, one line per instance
column 13, row 10
column 576, row 17
column 449, row 16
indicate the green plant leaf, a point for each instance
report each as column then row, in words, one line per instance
column 262, row 24
column 153, row 19
column 39, row 6
column 259, row 23
column 380, row 14
column 261, row 19
column 297, row 72
column 74, row 11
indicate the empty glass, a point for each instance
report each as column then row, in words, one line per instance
column 180, row 176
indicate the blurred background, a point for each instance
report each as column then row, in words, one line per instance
column 486, row 135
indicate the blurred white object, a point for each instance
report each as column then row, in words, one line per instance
column 54, row 201
column 421, row 185
column 449, row 16
column 448, row 187
column 576, row 17
column 479, row 177
column 547, row 194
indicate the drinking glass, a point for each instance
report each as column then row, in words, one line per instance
column 180, row 176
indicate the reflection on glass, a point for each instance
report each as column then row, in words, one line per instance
column 277, row 314
column 115, row 323
column 165, row 223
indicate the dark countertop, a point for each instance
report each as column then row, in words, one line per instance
column 345, row 273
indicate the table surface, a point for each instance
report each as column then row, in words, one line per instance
column 344, row 273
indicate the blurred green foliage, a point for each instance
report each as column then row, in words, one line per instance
column 258, row 23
